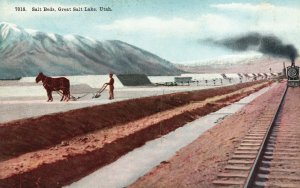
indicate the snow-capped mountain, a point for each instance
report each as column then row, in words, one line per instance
column 25, row 52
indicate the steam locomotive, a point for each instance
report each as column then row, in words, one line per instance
column 293, row 75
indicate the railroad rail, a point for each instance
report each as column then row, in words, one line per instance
column 266, row 154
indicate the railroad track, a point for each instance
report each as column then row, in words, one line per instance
column 269, row 155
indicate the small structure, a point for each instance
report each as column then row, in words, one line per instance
column 134, row 79
column 260, row 75
column 224, row 76
column 284, row 70
column 240, row 75
column 247, row 75
column 183, row 80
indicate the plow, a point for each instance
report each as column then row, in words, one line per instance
column 98, row 93
column 95, row 95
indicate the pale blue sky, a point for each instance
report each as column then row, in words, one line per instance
column 168, row 28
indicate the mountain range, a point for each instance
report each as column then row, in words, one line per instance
column 25, row 52
column 255, row 64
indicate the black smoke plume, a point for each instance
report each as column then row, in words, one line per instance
column 266, row 44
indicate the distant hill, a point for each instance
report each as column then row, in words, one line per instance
column 256, row 64
column 25, row 52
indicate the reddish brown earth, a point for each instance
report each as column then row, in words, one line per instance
column 284, row 169
column 50, row 151
column 198, row 164
column 31, row 134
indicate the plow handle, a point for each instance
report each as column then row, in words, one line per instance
column 102, row 88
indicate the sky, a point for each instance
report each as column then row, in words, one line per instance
column 171, row 29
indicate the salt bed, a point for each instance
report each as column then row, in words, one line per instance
column 26, row 101
column 15, row 110
column 138, row 162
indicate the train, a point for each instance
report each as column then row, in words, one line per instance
column 292, row 73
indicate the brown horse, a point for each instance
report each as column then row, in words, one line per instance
column 61, row 84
